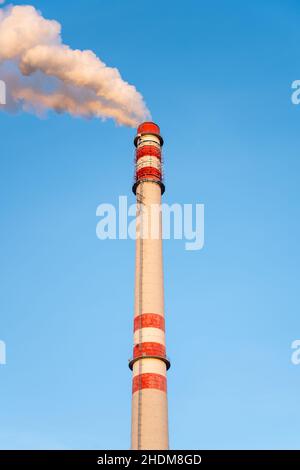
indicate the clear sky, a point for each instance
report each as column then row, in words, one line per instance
column 217, row 78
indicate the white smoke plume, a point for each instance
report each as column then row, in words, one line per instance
column 43, row 74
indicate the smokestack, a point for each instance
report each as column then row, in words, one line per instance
column 149, row 364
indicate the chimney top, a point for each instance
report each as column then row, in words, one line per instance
column 148, row 127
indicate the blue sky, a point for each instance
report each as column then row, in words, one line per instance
column 217, row 78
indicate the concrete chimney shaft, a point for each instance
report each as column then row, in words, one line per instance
column 149, row 363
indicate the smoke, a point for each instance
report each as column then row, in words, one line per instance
column 44, row 74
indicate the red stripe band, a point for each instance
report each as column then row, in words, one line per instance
column 149, row 320
column 148, row 171
column 149, row 349
column 149, row 380
column 148, row 150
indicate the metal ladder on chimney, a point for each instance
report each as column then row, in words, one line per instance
column 140, row 198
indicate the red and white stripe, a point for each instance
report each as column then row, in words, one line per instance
column 148, row 161
column 149, row 345
column 146, row 149
column 148, row 158
column 153, row 375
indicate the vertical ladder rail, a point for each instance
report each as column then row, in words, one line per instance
column 140, row 198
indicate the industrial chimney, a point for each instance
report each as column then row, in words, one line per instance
column 149, row 363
